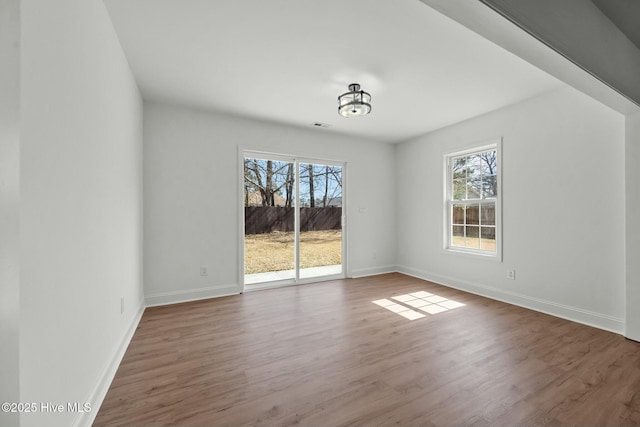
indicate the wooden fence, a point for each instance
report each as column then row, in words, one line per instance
column 473, row 214
column 267, row 219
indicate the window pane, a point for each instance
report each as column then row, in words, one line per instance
column 489, row 186
column 457, row 214
column 473, row 237
column 474, row 177
column 474, row 164
column 488, row 238
column 457, row 238
column 488, row 214
column 459, row 189
column 460, row 167
column 488, row 162
column 473, row 214
column 474, row 188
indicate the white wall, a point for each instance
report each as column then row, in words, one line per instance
column 192, row 197
column 632, row 159
column 563, row 208
column 9, row 205
column 81, row 206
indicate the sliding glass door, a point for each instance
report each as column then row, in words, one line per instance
column 320, row 219
column 269, row 220
column 293, row 219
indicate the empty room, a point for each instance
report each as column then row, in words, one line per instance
column 319, row 213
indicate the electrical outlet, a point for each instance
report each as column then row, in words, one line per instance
column 203, row 270
column 511, row 274
column 121, row 305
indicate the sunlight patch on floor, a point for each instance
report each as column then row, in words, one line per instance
column 412, row 306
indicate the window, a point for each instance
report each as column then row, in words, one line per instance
column 473, row 201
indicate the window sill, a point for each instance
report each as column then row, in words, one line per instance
column 491, row 256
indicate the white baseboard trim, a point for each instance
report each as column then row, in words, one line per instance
column 176, row 297
column 86, row 419
column 372, row 271
column 586, row 317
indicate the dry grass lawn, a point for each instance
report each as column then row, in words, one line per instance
column 275, row 251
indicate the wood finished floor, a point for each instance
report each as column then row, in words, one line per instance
column 325, row 355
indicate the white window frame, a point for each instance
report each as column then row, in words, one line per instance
column 494, row 144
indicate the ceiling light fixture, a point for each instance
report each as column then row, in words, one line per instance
column 354, row 103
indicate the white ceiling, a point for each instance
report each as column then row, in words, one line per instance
column 287, row 61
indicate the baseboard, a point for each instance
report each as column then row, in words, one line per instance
column 372, row 271
column 586, row 317
column 175, row 297
column 85, row 419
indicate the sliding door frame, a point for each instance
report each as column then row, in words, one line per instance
column 244, row 152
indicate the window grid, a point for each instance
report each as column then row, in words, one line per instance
column 487, row 230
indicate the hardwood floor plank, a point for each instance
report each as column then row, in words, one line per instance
column 326, row 355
